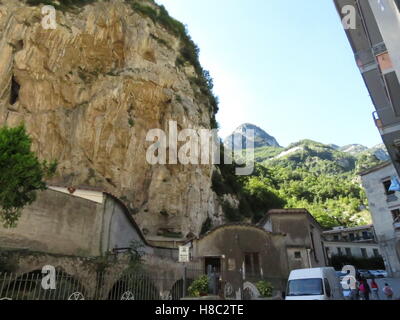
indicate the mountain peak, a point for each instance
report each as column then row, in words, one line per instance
column 240, row 137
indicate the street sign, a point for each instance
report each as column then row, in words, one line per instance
column 184, row 254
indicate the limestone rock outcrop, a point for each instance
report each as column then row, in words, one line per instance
column 90, row 90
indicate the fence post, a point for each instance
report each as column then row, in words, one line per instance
column 184, row 280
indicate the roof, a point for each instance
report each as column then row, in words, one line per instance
column 288, row 211
column 235, row 224
column 376, row 168
column 369, row 226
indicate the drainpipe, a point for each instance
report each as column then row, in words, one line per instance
column 309, row 257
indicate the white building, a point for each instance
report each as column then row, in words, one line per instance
column 358, row 242
column 373, row 34
column 384, row 206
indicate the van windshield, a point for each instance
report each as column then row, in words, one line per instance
column 305, row 287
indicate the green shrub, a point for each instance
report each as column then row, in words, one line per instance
column 199, row 287
column 21, row 174
column 265, row 288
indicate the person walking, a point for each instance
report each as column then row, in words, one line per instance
column 361, row 290
column 367, row 289
column 375, row 289
column 354, row 292
column 388, row 291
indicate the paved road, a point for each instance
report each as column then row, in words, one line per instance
column 394, row 283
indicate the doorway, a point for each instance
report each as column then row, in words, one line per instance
column 214, row 262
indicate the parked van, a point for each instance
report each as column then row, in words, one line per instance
column 314, row 284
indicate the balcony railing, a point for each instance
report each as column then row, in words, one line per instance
column 396, row 224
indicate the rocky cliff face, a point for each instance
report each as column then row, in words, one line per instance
column 88, row 93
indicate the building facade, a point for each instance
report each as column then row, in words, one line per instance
column 384, row 206
column 304, row 241
column 358, row 242
column 243, row 253
column 374, row 39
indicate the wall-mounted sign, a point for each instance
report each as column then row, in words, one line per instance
column 184, row 254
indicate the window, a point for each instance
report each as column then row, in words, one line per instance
column 364, row 253
column 336, row 238
column 387, row 185
column 305, row 287
column 396, row 215
column 252, row 263
column 348, row 252
column 327, row 288
column 339, row 251
column 365, row 235
column 376, row 253
column 351, row 236
column 297, row 255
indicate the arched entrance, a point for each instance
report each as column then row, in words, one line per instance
column 134, row 287
column 31, row 286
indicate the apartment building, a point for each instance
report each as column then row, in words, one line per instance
column 359, row 242
column 375, row 40
column 384, row 206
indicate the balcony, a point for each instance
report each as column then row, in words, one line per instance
column 378, row 121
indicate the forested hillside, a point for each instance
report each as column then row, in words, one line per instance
column 307, row 174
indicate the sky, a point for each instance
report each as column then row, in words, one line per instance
column 285, row 66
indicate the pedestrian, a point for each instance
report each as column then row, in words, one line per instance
column 388, row 291
column 367, row 289
column 361, row 289
column 375, row 289
column 354, row 291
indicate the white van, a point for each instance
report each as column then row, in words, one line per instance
column 314, row 284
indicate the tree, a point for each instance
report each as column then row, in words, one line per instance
column 21, row 174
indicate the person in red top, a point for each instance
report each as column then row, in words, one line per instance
column 375, row 289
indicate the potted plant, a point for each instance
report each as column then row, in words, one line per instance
column 199, row 287
column 265, row 288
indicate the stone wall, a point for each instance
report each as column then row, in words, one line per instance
column 57, row 223
column 62, row 223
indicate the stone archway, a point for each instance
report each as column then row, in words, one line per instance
column 35, row 285
column 134, row 286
